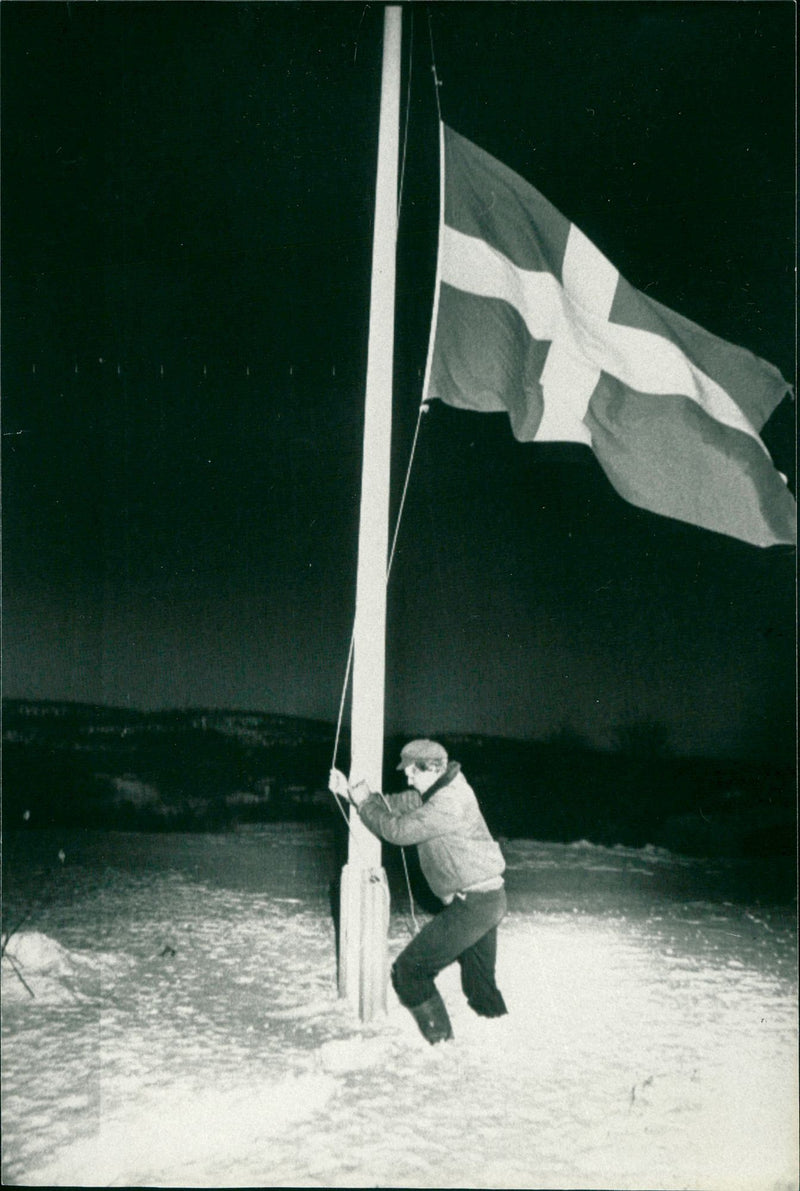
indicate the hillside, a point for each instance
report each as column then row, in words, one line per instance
column 67, row 764
column 86, row 765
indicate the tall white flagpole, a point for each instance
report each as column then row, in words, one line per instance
column 363, row 952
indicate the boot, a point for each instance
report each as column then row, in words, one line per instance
column 431, row 1017
column 489, row 1003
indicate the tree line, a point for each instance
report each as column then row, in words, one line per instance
column 189, row 771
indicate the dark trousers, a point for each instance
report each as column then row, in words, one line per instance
column 465, row 930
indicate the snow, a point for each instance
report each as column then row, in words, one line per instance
column 185, row 1030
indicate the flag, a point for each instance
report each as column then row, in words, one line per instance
column 530, row 318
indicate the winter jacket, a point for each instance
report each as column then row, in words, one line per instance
column 456, row 849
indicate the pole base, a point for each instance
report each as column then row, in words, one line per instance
column 363, row 942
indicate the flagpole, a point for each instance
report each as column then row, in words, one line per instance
column 363, row 950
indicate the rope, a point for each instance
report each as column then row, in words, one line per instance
column 408, row 110
column 423, row 409
column 437, row 82
column 415, row 931
column 345, row 685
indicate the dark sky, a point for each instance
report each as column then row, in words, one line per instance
column 187, row 210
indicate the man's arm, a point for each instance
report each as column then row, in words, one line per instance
column 400, row 819
column 401, row 804
column 429, row 820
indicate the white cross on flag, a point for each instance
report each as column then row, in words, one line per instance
column 531, row 319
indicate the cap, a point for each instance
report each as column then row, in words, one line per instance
column 422, row 752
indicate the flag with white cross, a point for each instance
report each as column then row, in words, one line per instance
column 531, row 319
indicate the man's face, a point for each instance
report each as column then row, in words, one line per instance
column 420, row 779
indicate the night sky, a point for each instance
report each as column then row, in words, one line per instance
column 187, row 214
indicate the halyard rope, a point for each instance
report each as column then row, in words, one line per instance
column 423, row 409
column 436, row 80
column 408, row 109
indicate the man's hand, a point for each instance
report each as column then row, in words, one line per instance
column 338, row 784
column 359, row 793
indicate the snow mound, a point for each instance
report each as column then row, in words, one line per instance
column 38, row 953
column 36, row 967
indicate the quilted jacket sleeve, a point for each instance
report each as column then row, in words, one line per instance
column 427, row 821
column 401, row 804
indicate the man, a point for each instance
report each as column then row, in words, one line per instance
column 463, row 866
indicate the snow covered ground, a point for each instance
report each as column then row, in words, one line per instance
column 184, row 1028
